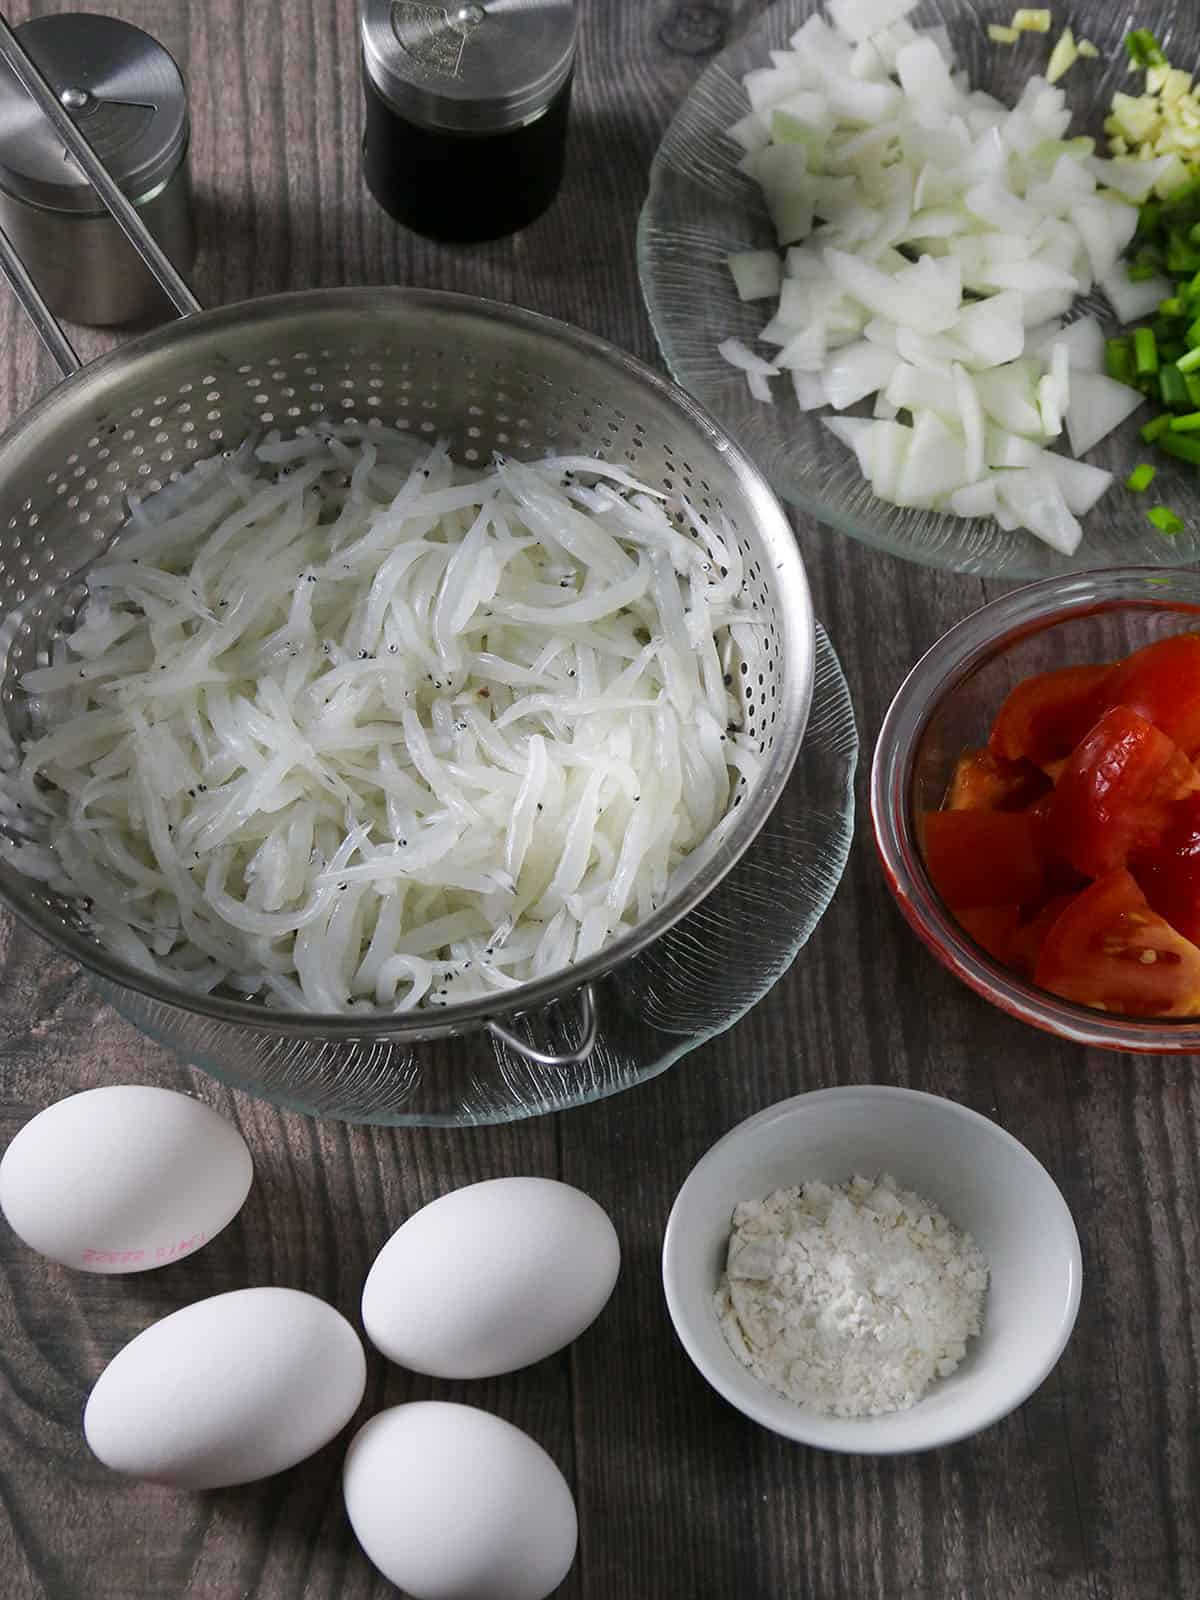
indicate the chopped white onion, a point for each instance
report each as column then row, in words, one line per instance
column 1083, row 341
column 1133, row 301
column 936, row 240
column 758, row 274
column 1098, row 405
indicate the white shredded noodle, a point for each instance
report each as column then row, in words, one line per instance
column 347, row 727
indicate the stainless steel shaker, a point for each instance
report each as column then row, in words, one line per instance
column 127, row 96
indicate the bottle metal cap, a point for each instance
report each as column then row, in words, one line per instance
column 123, row 89
column 483, row 66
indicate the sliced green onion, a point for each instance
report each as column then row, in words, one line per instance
column 1156, row 427
column 1186, row 424
column 1180, row 445
column 1193, row 388
column 1141, row 477
column 1190, row 361
column 1182, row 255
column 1183, row 195
column 1173, row 388
column 1143, row 48
column 1118, row 359
column 1171, row 307
column 1165, row 520
column 1143, row 273
column 1145, row 352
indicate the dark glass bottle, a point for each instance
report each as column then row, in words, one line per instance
column 467, row 110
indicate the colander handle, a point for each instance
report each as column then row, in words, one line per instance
column 588, row 1028
column 122, row 211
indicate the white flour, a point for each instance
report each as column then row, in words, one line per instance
column 850, row 1299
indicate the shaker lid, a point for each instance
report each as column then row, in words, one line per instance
column 124, row 91
column 476, row 67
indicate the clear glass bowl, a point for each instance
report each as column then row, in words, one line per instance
column 947, row 703
column 700, row 208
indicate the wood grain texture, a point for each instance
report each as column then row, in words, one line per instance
column 1089, row 1492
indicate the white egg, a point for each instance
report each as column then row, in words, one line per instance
column 123, row 1179
column 452, row 1503
column 228, row 1390
column 491, row 1278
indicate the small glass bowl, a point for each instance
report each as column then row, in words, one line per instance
column 946, row 705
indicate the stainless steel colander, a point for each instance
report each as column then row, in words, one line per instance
column 487, row 377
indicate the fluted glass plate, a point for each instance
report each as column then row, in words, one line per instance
column 693, row 983
column 700, row 208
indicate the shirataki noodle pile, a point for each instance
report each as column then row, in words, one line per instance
column 349, row 732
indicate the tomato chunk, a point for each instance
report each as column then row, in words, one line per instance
column 984, row 782
column 995, row 928
column 1162, row 683
column 1061, row 877
column 983, row 858
column 1109, row 950
column 1026, row 944
column 1114, row 794
column 1169, row 876
column 1045, row 716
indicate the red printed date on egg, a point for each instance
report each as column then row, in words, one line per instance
column 128, row 1258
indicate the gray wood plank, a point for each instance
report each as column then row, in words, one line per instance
column 1088, row 1492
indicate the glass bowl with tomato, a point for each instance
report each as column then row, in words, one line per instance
column 1036, row 802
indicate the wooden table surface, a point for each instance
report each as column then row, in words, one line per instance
column 1091, row 1491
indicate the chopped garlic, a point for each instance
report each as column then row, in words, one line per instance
column 1162, row 121
column 999, row 34
column 1027, row 21
column 1063, row 57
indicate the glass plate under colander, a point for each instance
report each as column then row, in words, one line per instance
column 691, row 984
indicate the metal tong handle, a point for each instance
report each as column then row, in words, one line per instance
column 122, row 211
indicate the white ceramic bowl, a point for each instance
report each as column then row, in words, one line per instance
column 971, row 1169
